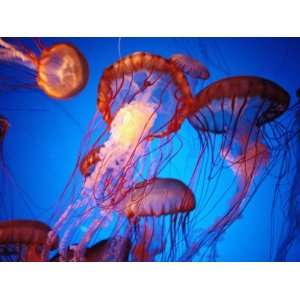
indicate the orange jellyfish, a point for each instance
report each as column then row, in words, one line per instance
column 143, row 100
column 60, row 71
column 190, row 66
column 158, row 211
column 23, row 240
column 235, row 119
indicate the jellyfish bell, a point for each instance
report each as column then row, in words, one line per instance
column 155, row 208
column 60, row 71
column 88, row 162
column 24, row 239
column 143, row 99
column 137, row 76
column 190, row 66
column 195, row 71
column 158, row 197
column 235, row 117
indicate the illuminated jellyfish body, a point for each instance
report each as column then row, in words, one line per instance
column 23, row 240
column 233, row 118
column 143, row 99
column 291, row 232
column 158, row 211
column 60, row 71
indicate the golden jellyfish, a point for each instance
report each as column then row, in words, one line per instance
column 60, row 71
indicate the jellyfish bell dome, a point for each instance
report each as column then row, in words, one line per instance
column 159, row 197
column 217, row 104
column 190, row 66
column 62, row 71
column 28, row 234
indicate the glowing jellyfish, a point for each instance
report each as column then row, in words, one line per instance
column 60, row 71
column 23, row 240
column 158, row 211
column 190, row 66
column 143, row 99
column 234, row 118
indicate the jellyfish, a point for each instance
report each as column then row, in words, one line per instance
column 235, row 121
column 158, row 211
column 60, row 71
column 190, row 66
column 143, row 99
column 195, row 71
column 23, row 240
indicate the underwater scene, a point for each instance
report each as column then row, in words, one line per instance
column 149, row 149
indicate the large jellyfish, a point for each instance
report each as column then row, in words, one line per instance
column 143, row 100
column 23, row 240
column 235, row 120
column 60, row 71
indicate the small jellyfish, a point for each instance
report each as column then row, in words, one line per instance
column 158, row 211
column 60, row 71
column 23, row 240
column 190, row 66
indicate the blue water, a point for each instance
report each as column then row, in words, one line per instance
column 42, row 144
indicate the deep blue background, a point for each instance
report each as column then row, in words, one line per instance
column 43, row 140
